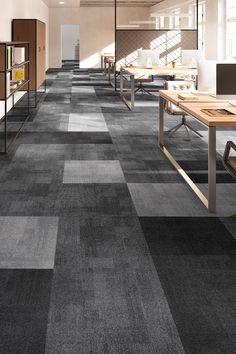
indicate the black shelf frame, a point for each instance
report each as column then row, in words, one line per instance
column 6, row 70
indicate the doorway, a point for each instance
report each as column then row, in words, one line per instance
column 70, row 36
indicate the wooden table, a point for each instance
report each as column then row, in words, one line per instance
column 195, row 110
column 139, row 73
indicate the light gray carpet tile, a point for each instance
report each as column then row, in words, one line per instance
column 28, row 242
column 87, row 122
column 93, row 172
column 82, row 90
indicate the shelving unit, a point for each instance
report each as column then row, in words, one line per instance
column 34, row 32
column 6, row 92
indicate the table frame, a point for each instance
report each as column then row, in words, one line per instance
column 210, row 202
column 162, row 71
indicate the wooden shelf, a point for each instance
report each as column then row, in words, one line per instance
column 5, row 79
column 25, row 82
column 16, row 66
column 34, row 32
column 13, row 43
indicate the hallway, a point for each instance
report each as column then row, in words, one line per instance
column 107, row 250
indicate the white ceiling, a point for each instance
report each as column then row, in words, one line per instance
column 78, row 3
column 123, row 3
column 68, row 3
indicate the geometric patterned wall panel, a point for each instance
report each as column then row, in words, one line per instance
column 169, row 43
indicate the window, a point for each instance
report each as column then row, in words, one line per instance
column 231, row 28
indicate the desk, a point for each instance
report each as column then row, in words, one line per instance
column 194, row 109
column 136, row 73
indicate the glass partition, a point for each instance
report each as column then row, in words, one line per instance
column 156, row 15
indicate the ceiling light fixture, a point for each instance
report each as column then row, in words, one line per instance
column 127, row 26
column 142, row 22
column 61, row 2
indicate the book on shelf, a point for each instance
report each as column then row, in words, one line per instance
column 8, row 57
column 18, row 74
column 18, row 55
column 8, row 84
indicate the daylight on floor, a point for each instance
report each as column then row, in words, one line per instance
column 118, row 177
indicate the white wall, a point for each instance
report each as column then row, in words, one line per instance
column 57, row 18
column 69, row 39
column 21, row 9
column 126, row 14
column 97, row 31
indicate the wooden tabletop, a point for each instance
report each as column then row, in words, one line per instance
column 195, row 110
column 172, row 96
column 159, row 70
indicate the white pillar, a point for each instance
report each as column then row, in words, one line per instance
column 211, row 33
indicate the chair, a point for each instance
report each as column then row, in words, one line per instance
column 172, row 109
column 145, row 58
column 230, row 161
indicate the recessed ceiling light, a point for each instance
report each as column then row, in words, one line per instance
column 61, row 2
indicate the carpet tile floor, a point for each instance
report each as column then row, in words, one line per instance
column 104, row 249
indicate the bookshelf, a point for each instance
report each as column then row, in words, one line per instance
column 14, row 77
column 34, row 32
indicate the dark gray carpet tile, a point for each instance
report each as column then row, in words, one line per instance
column 195, row 260
column 100, row 199
column 86, row 99
column 203, row 177
column 187, row 236
column 64, row 98
column 65, row 200
column 200, row 296
column 64, row 138
column 107, row 108
column 78, row 99
column 149, row 171
column 24, row 305
column 34, row 172
column 93, row 83
column 78, row 79
column 105, row 237
column 61, row 124
column 182, row 142
column 104, row 307
column 103, row 301
column 230, row 224
column 85, row 107
column 139, row 147
column 61, row 152
column 122, row 124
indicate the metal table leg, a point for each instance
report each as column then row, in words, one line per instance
column 161, row 122
column 212, row 169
